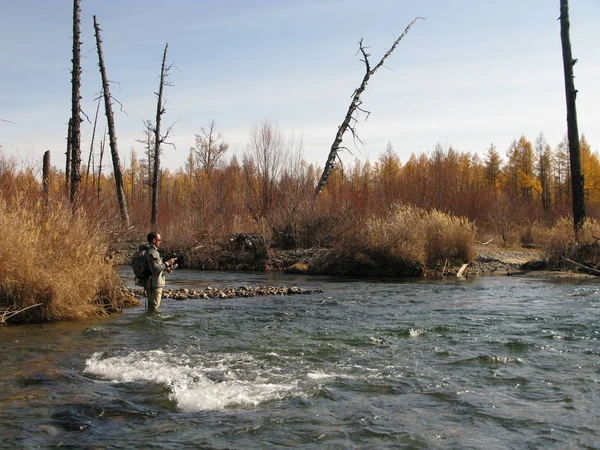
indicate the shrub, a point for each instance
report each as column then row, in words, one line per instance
column 53, row 258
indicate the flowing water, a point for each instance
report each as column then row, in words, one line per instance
column 488, row 362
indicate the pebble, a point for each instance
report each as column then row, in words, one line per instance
column 242, row 291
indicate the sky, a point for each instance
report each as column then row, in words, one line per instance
column 473, row 73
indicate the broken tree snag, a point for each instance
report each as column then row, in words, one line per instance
column 112, row 135
column 350, row 119
column 577, row 186
column 158, row 138
column 46, row 178
column 68, row 164
column 75, row 109
column 160, row 110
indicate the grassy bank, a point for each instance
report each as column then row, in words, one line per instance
column 53, row 265
column 407, row 241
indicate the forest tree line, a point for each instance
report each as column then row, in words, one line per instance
column 269, row 188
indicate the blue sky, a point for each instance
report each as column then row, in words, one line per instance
column 474, row 72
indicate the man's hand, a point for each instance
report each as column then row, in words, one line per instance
column 171, row 265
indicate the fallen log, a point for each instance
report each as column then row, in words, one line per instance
column 242, row 291
column 583, row 266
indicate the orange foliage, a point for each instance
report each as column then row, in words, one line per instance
column 197, row 205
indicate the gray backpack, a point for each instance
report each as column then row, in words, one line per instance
column 139, row 264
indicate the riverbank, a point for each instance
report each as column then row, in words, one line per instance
column 488, row 260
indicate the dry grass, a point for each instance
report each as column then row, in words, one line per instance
column 424, row 237
column 400, row 234
column 405, row 242
column 51, row 257
column 448, row 238
column 559, row 242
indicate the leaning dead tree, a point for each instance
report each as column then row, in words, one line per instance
column 355, row 107
column 112, row 135
column 572, row 129
column 75, row 108
column 158, row 138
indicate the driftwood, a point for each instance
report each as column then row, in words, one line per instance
column 10, row 312
column 462, row 270
column 583, row 266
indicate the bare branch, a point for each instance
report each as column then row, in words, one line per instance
column 120, row 105
column 86, row 116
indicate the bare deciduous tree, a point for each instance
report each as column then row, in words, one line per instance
column 355, row 105
column 572, row 130
column 266, row 157
column 208, row 149
column 112, row 135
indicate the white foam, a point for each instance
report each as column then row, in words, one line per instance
column 192, row 385
column 319, row 375
column 416, row 332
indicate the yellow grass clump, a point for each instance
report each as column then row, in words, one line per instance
column 55, row 260
column 559, row 242
column 448, row 238
column 400, row 234
column 407, row 241
column 424, row 237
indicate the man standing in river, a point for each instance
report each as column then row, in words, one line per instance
column 156, row 282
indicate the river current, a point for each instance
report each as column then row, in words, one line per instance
column 486, row 362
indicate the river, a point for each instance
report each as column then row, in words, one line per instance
column 486, row 362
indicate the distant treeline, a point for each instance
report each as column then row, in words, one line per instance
column 270, row 189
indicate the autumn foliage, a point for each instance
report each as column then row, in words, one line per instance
column 268, row 189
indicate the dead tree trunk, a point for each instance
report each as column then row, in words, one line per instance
column 350, row 119
column 46, row 179
column 112, row 135
column 102, row 144
column 572, row 130
column 75, row 108
column 87, row 173
column 158, row 140
column 68, row 164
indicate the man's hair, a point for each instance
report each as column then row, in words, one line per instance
column 151, row 236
